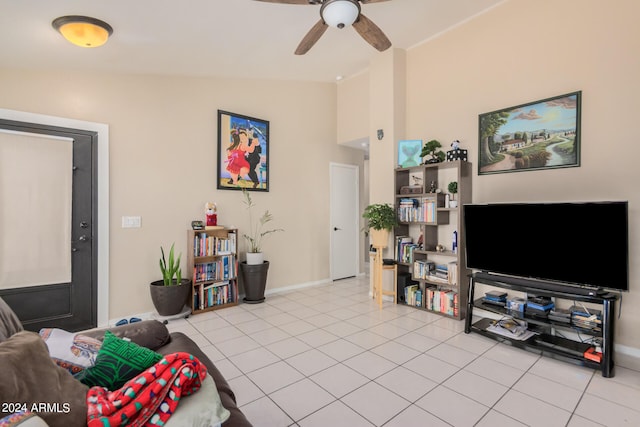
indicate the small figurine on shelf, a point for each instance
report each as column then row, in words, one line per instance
column 210, row 210
column 432, row 188
column 456, row 153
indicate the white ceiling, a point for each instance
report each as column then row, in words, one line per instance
column 227, row 38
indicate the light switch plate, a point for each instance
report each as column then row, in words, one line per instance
column 131, row 222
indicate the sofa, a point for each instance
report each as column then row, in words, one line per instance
column 31, row 377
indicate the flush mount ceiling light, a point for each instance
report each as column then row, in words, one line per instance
column 340, row 13
column 82, row 30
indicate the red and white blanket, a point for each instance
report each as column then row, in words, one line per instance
column 150, row 398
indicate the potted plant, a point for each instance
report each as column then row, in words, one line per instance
column 431, row 149
column 256, row 231
column 170, row 294
column 381, row 218
column 453, row 189
column 253, row 271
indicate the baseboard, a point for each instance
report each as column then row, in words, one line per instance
column 296, row 287
column 627, row 357
column 384, row 297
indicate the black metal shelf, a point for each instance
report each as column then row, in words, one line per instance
column 530, row 345
column 544, row 325
column 536, row 320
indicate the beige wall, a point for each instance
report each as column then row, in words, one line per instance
column 163, row 164
column 353, row 109
column 523, row 51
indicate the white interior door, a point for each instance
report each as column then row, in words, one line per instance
column 344, row 220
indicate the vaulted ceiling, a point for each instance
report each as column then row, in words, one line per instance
column 227, row 38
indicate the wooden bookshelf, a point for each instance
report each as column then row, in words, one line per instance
column 212, row 266
column 435, row 220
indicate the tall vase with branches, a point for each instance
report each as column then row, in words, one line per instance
column 257, row 231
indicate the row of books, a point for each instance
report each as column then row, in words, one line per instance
column 417, row 210
column 205, row 245
column 413, row 295
column 442, row 301
column 212, row 295
column 404, row 249
column 429, row 270
column 224, row 268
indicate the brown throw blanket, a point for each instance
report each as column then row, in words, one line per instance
column 150, row 398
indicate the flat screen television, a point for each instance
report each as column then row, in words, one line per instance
column 583, row 245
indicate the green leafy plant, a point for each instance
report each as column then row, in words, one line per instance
column 453, row 187
column 431, row 149
column 380, row 216
column 171, row 268
column 256, row 232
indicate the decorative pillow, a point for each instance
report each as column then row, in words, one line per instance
column 117, row 362
column 73, row 352
column 23, row 419
column 9, row 322
column 30, row 378
column 201, row 409
column 150, row 334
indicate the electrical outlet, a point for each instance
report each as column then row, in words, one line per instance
column 131, row 222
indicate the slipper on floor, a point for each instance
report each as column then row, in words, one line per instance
column 134, row 320
column 122, row 322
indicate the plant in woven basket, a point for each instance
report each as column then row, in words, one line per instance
column 380, row 216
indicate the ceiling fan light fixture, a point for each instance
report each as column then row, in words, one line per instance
column 83, row 31
column 340, row 13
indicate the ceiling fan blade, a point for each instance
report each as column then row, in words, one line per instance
column 371, row 33
column 291, row 1
column 312, row 37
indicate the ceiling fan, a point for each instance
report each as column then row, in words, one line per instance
column 340, row 14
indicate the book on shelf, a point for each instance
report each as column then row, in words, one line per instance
column 441, row 271
column 429, row 209
column 418, row 298
column 417, row 210
column 214, row 294
column 223, row 268
column 406, row 254
column 409, row 210
column 452, row 270
column 425, row 269
column 207, row 245
column 400, row 247
column 442, row 300
column 410, row 294
column 422, row 268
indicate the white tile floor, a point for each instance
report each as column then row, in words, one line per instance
column 328, row 356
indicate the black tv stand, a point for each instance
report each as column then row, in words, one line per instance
column 545, row 341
